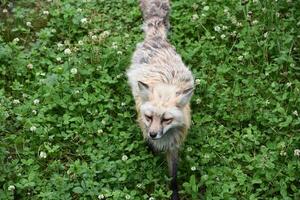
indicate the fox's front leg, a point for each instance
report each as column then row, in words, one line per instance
column 172, row 157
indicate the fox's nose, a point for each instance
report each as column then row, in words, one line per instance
column 153, row 134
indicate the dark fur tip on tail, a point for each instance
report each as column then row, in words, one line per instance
column 156, row 17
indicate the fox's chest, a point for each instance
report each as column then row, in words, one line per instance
column 169, row 141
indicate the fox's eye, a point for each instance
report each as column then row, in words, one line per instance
column 167, row 120
column 148, row 118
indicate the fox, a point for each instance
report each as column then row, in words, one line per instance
column 162, row 87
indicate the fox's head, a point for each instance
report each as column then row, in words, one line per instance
column 162, row 108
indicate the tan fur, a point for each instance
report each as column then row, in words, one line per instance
column 162, row 87
column 156, row 63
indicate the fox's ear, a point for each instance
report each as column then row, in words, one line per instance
column 184, row 97
column 144, row 90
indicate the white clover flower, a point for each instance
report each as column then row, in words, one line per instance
column 59, row 45
column 198, row 101
column 124, row 158
column 103, row 121
column 189, row 149
column 223, row 36
column 224, row 27
column 74, row 71
column 11, row 188
column 255, row 22
column 127, row 196
column 266, row 34
column 99, row 131
column 123, row 104
column 282, row 153
column 297, row 152
column 104, row 34
column 233, row 20
column 206, row 8
column 119, row 52
column 34, row 112
column 195, row 6
column 217, row 28
column 292, row 65
column 233, row 33
column 36, row 101
column 33, row 128
column 58, row 59
column 30, row 66
column 139, row 185
column 45, row 12
column 94, row 37
column 197, row 81
column 6, row 114
column 240, row 58
column 195, row 17
column 67, row 51
column 151, row 198
column 206, row 156
column 84, row 20
column 289, row 84
column 193, row 168
column 267, row 102
column 43, row 154
column 16, row 40
column 16, row 101
column 28, row 24
column 80, row 42
column 114, row 45
column 295, row 113
column 101, row 196
column 239, row 24
column 5, row 10
column 53, row 30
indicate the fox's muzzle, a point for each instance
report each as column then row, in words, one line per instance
column 155, row 134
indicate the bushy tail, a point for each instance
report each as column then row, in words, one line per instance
column 156, row 17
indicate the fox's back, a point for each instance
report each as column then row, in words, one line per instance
column 155, row 61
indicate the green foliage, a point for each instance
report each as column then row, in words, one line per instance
column 67, row 118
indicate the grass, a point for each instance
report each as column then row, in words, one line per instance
column 67, row 118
